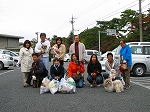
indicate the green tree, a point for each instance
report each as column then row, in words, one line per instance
column 70, row 38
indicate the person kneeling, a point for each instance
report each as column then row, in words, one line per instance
column 38, row 71
column 75, row 70
column 94, row 70
column 56, row 70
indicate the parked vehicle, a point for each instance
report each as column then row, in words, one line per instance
column 140, row 57
column 90, row 52
column 11, row 53
column 17, row 53
column 66, row 57
column 5, row 61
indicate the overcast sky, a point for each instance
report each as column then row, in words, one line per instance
column 25, row 17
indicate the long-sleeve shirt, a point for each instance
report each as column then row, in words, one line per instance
column 115, row 65
column 57, row 71
column 73, row 68
column 62, row 50
column 38, row 46
column 125, row 52
column 94, row 67
column 41, row 71
column 82, row 53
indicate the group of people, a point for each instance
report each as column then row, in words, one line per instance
column 37, row 62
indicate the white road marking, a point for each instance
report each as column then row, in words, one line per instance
column 142, row 81
column 140, row 85
column 8, row 71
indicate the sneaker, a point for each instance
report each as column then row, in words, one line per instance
column 26, row 85
column 91, row 85
column 128, row 87
column 83, row 83
column 98, row 85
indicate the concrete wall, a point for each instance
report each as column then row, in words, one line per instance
column 6, row 43
column 12, row 42
column 3, row 42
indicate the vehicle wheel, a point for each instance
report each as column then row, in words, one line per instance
column 139, row 70
column 6, row 68
column 1, row 65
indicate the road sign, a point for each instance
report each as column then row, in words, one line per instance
column 111, row 32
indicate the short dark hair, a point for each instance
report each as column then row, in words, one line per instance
column 35, row 54
column 123, row 41
column 76, row 35
column 58, row 38
column 55, row 59
column 26, row 42
column 109, row 54
column 42, row 34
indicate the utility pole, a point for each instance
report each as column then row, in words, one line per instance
column 140, row 21
column 72, row 21
column 37, row 35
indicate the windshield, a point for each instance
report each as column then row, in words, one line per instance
column 10, row 53
column 6, row 52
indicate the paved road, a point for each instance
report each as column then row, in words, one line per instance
column 15, row 98
column 141, row 81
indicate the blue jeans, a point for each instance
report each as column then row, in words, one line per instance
column 46, row 62
column 79, row 84
column 99, row 79
column 105, row 75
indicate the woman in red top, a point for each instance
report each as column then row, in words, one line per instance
column 75, row 70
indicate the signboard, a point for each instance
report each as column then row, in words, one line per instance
column 111, row 32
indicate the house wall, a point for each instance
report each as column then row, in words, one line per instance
column 6, row 43
column 3, row 42
column 13, row 43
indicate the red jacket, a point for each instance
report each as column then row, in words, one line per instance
column 72, row 68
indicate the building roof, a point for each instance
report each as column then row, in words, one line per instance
column 11, row 36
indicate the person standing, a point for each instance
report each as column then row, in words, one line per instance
column 126, row 57
column 79, row 49
column 44, row 56
column 59, row 50
column 25, row 58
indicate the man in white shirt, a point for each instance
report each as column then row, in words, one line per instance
column 44, row 56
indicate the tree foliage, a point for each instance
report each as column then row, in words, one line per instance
column 127, row 27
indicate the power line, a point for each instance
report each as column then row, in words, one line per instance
column 108, row 15
column 95, row 5
column 92, row 7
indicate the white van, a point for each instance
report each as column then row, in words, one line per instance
column 90, row 52
column 140, row 57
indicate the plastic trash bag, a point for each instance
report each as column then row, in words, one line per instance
column 53, row 85
column 43, row 89
column 46, row 82
column 71, row 81
column 65, row 87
